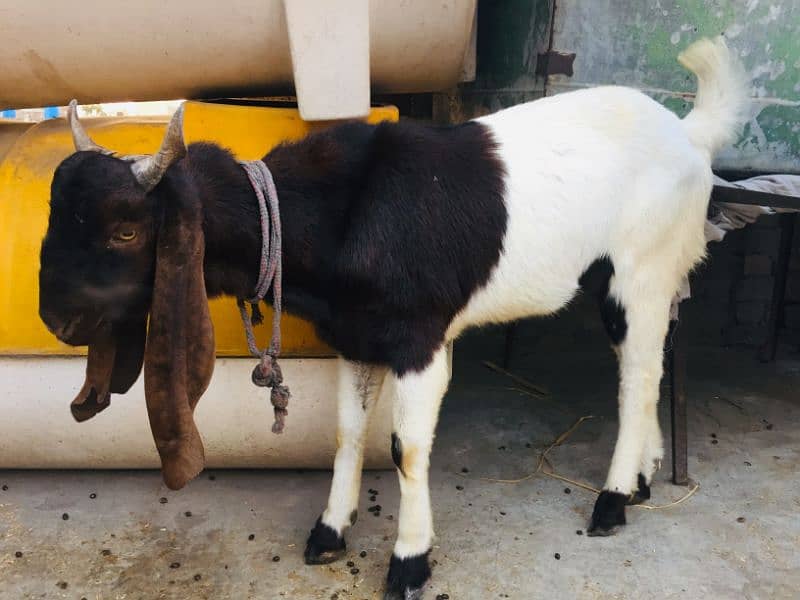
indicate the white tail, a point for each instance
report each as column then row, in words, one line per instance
column 722, row 94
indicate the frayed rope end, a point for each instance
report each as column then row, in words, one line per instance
column 267, row 373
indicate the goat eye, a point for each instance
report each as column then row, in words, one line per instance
column 125, row 236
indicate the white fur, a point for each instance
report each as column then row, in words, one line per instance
column 359, row 388
column 417, row 397
column 610, row 172
column 597, row 172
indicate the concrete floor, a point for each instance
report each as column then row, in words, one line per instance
column 737, row 537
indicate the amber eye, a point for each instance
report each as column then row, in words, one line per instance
column 125, row 236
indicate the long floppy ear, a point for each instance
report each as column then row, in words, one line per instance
column 115, row 361
column 179, row 357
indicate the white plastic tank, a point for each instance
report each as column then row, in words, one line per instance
column 331, row 53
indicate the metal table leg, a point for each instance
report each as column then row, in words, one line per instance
column 676, row 361
column 766, row 353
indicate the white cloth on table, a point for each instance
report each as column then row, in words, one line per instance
column 724, row 217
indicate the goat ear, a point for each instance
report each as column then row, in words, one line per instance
column 179, row 356
column 129, row 337
column 113, row 366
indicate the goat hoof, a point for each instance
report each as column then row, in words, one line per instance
column 608, row 514
column 407, row 577
column 642, row 492
column 324, row 545
column 408, row 594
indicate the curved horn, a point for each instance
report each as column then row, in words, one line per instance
column 150, row 169
column 79, row 136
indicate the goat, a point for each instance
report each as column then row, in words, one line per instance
column 396, row 238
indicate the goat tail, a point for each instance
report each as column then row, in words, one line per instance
column 720, row 106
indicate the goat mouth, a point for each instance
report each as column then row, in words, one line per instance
column 74, row 332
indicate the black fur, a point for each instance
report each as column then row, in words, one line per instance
column 595, row 281
column 324, row 545
column 406, row 577
column 608, row 513
column 387, row 231
column 642, row 492
column 397, row 452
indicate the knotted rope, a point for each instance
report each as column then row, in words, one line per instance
column 267, row 373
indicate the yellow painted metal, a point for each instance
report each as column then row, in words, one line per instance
column 26, row 171
column 9, row 132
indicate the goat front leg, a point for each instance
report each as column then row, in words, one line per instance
column 639, row 443
column 418, row 396
column 358, row 390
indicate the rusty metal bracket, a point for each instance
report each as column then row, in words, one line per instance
column 554, row 62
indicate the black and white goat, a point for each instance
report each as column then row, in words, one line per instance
column 398, row 237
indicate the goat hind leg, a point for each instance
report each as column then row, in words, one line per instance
column 652, row 454
column 358, row 389
column 639, row 438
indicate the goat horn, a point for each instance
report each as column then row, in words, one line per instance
column 79, row 136
column 150, row 169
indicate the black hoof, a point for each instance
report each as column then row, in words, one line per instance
column 407, row 577
column 642, row 493
column 608, row 514
column 324, row 545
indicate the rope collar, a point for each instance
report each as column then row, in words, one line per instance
column 267, row 373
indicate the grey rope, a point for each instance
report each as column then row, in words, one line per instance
column 267, row 373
